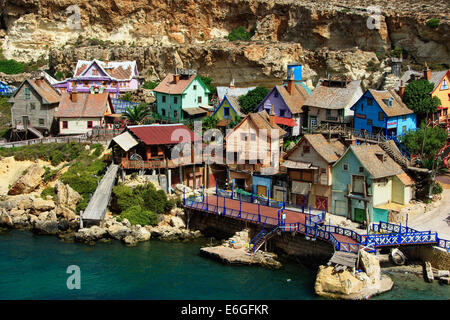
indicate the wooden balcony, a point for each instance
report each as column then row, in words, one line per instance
column 155, row 164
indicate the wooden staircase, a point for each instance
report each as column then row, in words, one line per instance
column 392, row 150
column 262, row 237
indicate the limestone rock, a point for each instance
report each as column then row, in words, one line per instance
column 66, row 213
column 29, row 181
column 40, row 204
column 66, row 196
column 177, row 222
column 343, row 283
column 118, row 231
column 5, row 219
column 130, row 240
column 141, row 234
column 93, row 233
column 370, row 265
column 46, row 227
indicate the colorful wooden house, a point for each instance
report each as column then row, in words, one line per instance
column 254, row 146
column 383, row 112
column 288, row 99
column 182, row 96
column 441, row 81
column 365, row 179
column 228, row 111
column 308, row 168
column 33, row 107
column 113, row 77
column 331, row 101
column 79, row 113
column 151, row 148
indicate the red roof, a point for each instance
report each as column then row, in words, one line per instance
column 169, row 86
column 164, row 134
column 285, row 121
column 87, row 105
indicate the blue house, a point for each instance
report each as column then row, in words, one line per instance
column 287, row 99
column 383, row 112
column 6, row 90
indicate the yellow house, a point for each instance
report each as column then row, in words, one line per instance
column 441, row 80
column 228, row 111
column 402, row 188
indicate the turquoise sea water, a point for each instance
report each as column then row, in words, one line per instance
column 34, row 267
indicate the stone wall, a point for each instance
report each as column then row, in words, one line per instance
column 439, row 258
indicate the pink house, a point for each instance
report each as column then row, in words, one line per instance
column 114, row 77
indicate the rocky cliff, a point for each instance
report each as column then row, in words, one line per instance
column 326, row 36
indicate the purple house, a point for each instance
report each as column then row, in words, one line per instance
column 287, row 101
column 114, row 77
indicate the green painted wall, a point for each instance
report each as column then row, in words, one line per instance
column 219, row 113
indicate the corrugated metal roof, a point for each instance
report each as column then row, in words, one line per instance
column 297, row 165
column 436, row 77
column 126, row 141
column 164, row 134
column 235, row 92
column 195, row 111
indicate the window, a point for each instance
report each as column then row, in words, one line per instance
column 65, row 124
column 306, row 149
column 282, row 112
column 380, row 116
column 369, row 122
column 175, row 113
column 175, row 100
column 449, row 97
column 105, row 83
column 94, row 72
column 404, row 118
column 163, row 98
column 369, row 101
column 345, row 167
column 27, row 93
column 41, row 122
column 163, row 112
column 444, row 85
column 361, row 169
column 195, row 87
column 226, row 111
column 32, row 106
column 358, row 184
column 244, row 136
column 86, row 84
column 275, row 94
column 362, row 107
column 306, row 175
column 253, row 137
column 328, row 113
column 445, row 112
column 404, row 129
column 89, row 124
column 199, row 99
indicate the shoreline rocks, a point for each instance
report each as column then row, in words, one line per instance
column 234, row 251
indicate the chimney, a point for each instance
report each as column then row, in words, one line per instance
column 427, row 72
column 38, row 81
column 176, row 77
column 272, row 117
column 401, row 89
column 74, row 93
column 291, row 83
column 232, row 84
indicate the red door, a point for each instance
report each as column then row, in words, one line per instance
column 302, row 200
column 321, row 203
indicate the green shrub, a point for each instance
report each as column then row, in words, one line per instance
column 437, row 188
column 137, row 215
column 433, row 23
column 126, row 197
column 150, row 85
column 240, row 34
column 49, row 191
column 11, row 66
column 154, row 200
column 98, row 149
column 49, row 174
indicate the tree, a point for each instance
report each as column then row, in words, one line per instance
column 137, row 113
column 150, row 85
column 418, row 98
column 435, row 139
column 249, row 101
column 207, row 81
column 209, row 122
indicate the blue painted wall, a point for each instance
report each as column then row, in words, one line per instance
column 262, row 181
column 297, row 68
column 364, row 112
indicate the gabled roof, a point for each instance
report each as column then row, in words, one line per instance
column 233, row 102
column 367, row 156
column 163, row 134
column 437, row 76
column 294, row 102
column 398, row 108
column 327, row 97
column 405, row 179
column 87, row 105
column 125, row 140
column 329, row 151
column 261, row 120
column 117, row 70
column 43, row 88
column 168, row 85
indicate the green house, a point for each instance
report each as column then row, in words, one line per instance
column 182, row 96
column 228, row 111
column 366, row 181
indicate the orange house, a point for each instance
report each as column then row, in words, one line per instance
column 441, row 80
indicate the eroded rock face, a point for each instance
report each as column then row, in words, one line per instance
column 29, row 181
column 93, row 233
column 66, row 196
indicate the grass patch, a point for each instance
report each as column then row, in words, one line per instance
column 433, row 23
column 49, row 191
